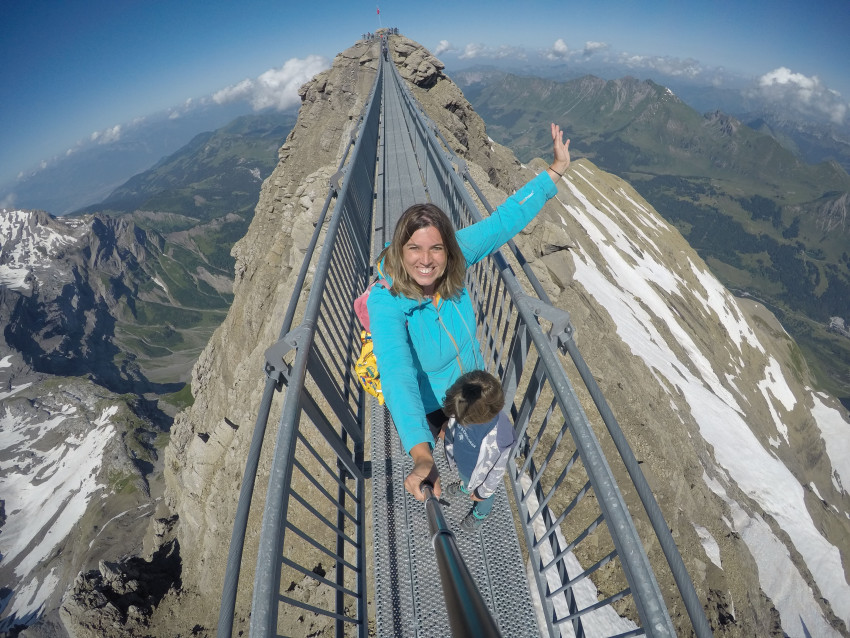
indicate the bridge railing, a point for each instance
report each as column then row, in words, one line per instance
column 573, row 518
column 312, row 550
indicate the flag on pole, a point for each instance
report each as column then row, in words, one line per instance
column 379, row 10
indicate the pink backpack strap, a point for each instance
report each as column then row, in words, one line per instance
column 360, row 308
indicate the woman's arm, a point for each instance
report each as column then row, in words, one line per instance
column 399, row 380
column 400, row 386
column 482, row 238
column 424, row 469
column 561, row 154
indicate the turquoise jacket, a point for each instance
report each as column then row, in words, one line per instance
column 417, row 359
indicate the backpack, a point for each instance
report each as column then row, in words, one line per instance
column 366, row 366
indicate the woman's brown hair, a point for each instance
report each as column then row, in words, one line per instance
column 415, row 218
column 476, row 397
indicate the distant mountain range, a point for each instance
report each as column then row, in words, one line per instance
column 104, row 316
column 813, row 139
column 87, row 175
column 770, row 225
column 217, row 172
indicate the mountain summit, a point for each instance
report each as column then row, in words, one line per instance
column 747, row 461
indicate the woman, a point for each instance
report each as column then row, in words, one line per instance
column 423, row 327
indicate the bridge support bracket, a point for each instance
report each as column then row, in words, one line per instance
column 276, row 367
column 562, row 328
column 335, row 181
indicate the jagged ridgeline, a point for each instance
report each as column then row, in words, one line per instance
column 747, row 462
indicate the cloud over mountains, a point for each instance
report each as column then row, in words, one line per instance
column 276, row 88
column 806, row 94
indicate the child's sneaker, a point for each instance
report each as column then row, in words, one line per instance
column 471, row 522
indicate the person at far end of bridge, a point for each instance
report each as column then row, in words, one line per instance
column 478, row 438
column 423, row 326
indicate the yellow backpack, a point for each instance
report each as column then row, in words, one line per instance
column 366, row 366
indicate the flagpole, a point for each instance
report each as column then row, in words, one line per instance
column 379, row 17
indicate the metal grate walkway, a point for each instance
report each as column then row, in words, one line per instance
column 408, row 599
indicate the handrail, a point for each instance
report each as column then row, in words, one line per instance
column 267, row 580
column 278, row 374
column 243, row 507
column 467, row 611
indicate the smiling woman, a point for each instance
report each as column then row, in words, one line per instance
column 423, row 323
column 425, row 258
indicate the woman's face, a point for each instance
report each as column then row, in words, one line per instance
column 425, row 258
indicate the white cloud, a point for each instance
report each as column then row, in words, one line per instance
column 675, row 67
column 241, row 91
column 8, row 201
column 594, row 47
column 505, row 51
column 276, row 88
column 806, row 94
column 559, row 51
column 473, row 50
column 107, row 135
column 443, row 47
column 478, row 50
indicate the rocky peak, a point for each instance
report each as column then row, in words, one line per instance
column 724, row 123
column 115, row 241
column 415, row 63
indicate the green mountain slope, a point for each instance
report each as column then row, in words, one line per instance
column 769, row 225
column 197, row 203
column 218, row 172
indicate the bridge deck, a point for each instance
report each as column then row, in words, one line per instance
column 408, row 597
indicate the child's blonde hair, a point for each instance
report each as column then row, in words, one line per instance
column 476, row 397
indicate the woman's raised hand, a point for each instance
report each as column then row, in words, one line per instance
column 561, row 153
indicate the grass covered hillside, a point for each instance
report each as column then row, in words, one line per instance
column 768, row 224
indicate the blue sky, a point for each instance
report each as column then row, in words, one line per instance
column 77, row 72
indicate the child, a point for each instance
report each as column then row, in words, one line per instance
column 478, row 439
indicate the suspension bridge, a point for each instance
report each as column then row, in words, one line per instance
column 560, row 554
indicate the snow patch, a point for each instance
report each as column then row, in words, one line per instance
column 624, row 288
column 835, row 432
column 601, row 622
column 709, row 544
column 799, row 611
column 46, row 493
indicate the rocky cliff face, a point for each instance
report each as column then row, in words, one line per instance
column 74, row 456
column 67, row 281
column 747, row 461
